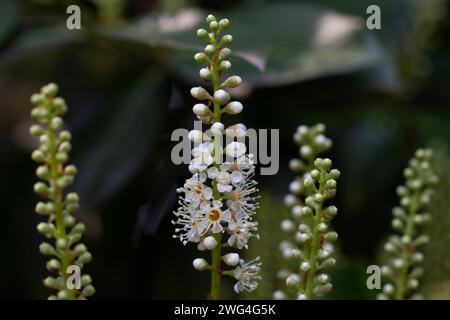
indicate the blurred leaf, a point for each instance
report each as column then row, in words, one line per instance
column 117, row 151
column 8, row 15
column 37, row 40
column 274, row 44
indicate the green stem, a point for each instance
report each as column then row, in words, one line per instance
column 57, row 199
column 313, row 255
column 409, row 232
column 216, row 272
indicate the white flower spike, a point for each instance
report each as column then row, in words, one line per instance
column 218, row 203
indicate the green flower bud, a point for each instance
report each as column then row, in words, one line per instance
column 334, row 174
column 72, row 197
column 209, row 49
column 85, row 280
column 322, row 227
column 37, row 98
column 42, row 172
column 65, row 147
column 62, row 157
column 63, row 295
column 50, row 90
column 224, row 54
column 51, row 283
column 331, row 236
column 74, row 238
column 65, row 136
column 38, row 156
column 62, row 244
column 56, row 123
column 80, row 249
column 68, row 220
column 70, row 170
column 226, row 40
column 85, row 258
column 72, row 207
column 224, row 23
column 45, row 228
column 210, row 18
column 315, row 174
column 224, row 66
column 42, row 209
column 53, row 265
column 305, row 266
column 328, row 263
column 323, row 289
column 293, row 281
column 88, row 291
column 36, row 130
column 214, row 26
column 47, row 249
column 203, row 34
column 331, row 184
column 41, row 189
column 201, row 57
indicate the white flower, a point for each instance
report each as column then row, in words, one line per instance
column 223, row 178
column 189, row 227
column 240, row 230
column 242, row 198
column 202, row 157
column 247, row 276
column 235, row 149
column 212, row 217
column 243, row 164
column 195, row 190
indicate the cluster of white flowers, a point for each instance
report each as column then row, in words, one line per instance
column 311, row 246
column 403, row 270
column 218, row 203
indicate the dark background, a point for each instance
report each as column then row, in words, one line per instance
column 126, row 77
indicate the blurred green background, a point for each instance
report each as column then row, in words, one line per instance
column 126, row 77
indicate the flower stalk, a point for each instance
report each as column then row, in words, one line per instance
column 68, row 255
column 309, row 255
column 402, row 270
column 218, row 203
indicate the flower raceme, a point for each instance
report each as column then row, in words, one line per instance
column 67, row 253
column 310, row 243
column 402, row 271
column 218, row 203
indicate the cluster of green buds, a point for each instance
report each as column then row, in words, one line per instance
column 310, row 241
column 403, row 268
column 67, row 254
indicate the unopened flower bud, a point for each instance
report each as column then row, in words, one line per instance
column 200, row 264
column 231, row 259
column 210, row 242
